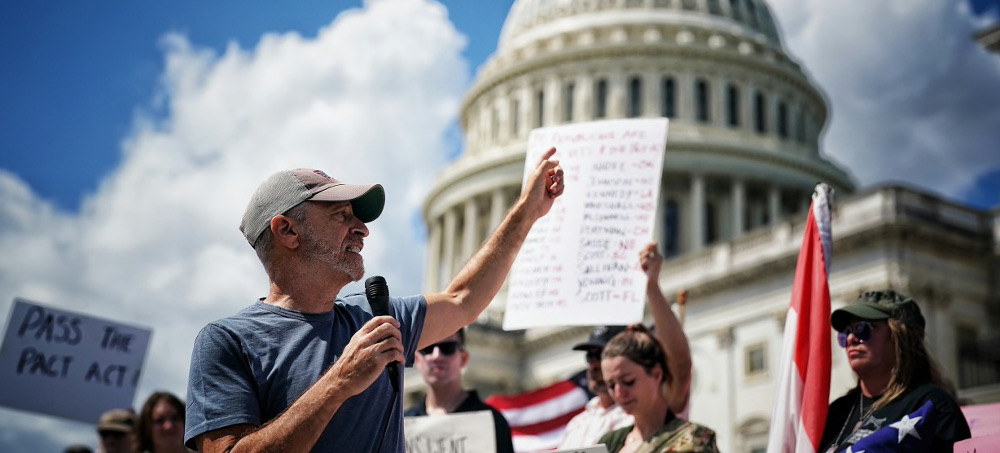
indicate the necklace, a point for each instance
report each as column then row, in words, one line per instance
column 861, row 418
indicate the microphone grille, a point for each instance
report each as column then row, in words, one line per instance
column 376, row 286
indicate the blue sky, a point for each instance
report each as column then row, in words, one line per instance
column 75, row 72
column 133, row 132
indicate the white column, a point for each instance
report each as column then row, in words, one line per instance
column 652, row 91
column 470, row 229
column 498, row 207
column 448, row 252
column 684, row 92
column 585, row 101
column 617, row 94
column 773, row 204
column 697, row 211
column 739, row 206
column 433, row 277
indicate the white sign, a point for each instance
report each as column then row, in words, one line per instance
column 69, row 365
column 580, row 263
column 466, row 432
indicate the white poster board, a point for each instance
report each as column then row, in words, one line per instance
column 580, row 263
column 69, row 365
column 465, row 432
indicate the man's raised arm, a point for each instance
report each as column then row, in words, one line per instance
column 471, row 291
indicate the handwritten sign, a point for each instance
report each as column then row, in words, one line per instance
column 69, row 365
column 466, row 432
column 984, row 419
column 580, row 263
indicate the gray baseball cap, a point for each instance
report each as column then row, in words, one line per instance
column 286, row 189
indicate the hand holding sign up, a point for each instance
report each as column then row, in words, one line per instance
column 577, row 265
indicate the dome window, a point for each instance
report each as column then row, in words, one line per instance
column 635, row 97
column 668, row 105
column 702, row 107
column 733, row 106
column 782, row 119
column 760, row 113
column 568, row 102
column 601, row 99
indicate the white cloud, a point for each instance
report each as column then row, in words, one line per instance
column 913, row 97
column 369, row 99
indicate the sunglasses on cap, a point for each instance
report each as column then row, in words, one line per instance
column 861, row 330
column 446, row 348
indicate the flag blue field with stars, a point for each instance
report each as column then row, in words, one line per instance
column 908, row 434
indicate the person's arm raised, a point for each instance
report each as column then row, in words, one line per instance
column 669, row 331
column 298, row 428
column 480, row 279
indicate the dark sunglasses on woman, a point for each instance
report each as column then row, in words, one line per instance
column 861, row 330
column 446, row 348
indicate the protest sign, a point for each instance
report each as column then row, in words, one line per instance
column 984, row 419
column 69, row 365
column 982, row 444
column 579, row 264
column 466, row 432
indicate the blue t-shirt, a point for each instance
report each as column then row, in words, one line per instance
column 249, row 367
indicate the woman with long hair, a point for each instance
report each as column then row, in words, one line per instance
column 883, row 336
column 641, row 380
column 160, row 428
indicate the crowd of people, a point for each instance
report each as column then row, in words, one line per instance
column 303, row 369
column 157, row 428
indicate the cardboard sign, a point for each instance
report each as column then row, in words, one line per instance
column 580, row 263
column 69, row 365
column 466, row 432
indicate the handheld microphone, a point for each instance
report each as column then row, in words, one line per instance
column 378, row 298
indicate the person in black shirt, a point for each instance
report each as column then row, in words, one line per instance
column 883, row 336
column 441, row 365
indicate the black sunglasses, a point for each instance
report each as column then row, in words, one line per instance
column 446, row 348
column 861, row 330
column 594, row 355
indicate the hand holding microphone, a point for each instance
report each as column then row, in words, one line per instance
column 377, row 293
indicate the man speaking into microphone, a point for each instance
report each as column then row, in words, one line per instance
column 303, row 370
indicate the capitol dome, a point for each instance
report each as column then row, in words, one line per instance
column 743, row 150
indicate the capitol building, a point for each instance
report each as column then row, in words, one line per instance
column 741, row 161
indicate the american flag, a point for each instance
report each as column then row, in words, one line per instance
column 912, row 433
column 538, row 418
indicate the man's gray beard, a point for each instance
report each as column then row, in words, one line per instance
column 335, row 257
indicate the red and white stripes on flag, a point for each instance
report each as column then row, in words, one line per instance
column 803, row 392
column 537, row 418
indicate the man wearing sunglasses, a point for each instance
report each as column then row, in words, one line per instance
column 441, row 365
column 302, row 369
column 882, row 334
